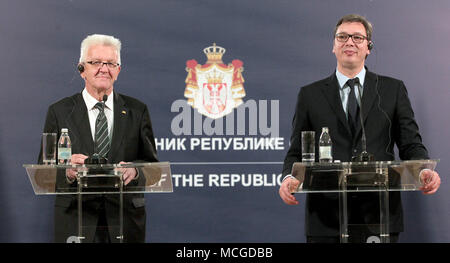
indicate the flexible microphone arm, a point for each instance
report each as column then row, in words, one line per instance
column 364, row 156
column 105, row 98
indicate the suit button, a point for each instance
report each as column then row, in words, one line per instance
column 354, row 150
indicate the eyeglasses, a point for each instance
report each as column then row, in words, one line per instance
column 343, row 37
column 99, row 64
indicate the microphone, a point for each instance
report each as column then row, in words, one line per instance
column 364, row 156
column 105, row 98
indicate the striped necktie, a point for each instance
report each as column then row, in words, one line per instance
column 352, row 106
column 102, row 142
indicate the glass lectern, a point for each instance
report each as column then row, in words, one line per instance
column 361, row 177
column 85, row 181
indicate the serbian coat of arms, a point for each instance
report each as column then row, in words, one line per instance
column 214, row 89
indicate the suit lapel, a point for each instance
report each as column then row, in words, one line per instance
column 331, row 91
column 78, row 124
column 120, row 120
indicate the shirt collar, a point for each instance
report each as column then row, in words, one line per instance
column 91, row 101
column 342, row 79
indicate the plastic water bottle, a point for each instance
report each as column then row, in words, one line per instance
column 325, row 147
column 64, row 147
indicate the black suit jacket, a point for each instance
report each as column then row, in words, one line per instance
column 132, row 141
column 388, row 118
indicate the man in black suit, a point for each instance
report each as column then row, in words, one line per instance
column 388, row 118
column 128, row 137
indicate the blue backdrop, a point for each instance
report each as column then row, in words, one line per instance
column 221, row 194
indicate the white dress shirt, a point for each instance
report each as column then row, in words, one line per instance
column 344, row 90
column 93, row 112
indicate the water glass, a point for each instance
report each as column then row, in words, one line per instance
column 49, row 148
column 308, row 146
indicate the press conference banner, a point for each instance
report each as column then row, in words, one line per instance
column 220, row 79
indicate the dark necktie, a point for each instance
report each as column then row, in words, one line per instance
column 352, row 106
column 101, row 131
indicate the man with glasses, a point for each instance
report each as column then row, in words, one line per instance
column 334, row 103
column 112, row 126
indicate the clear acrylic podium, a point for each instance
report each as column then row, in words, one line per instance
column 362, row 177
column 99, row 179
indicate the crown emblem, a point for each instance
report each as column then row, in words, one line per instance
column 214, row 77
column 214, row 54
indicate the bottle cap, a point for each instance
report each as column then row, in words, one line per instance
column 64, row 130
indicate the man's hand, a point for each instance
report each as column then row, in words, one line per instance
column 288, row 186
column 71, row 174
column 128, row 173
column 430, row 181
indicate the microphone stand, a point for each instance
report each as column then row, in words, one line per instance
column 96, row 158
column 364, row 156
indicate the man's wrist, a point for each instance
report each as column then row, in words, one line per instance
column 287, row 176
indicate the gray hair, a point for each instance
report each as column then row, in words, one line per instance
column 359, row 19
column 97, row 39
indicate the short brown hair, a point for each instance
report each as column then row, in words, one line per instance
column 356, row 18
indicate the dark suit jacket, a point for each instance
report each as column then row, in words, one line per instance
column 388, row 119
column 132, row 141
